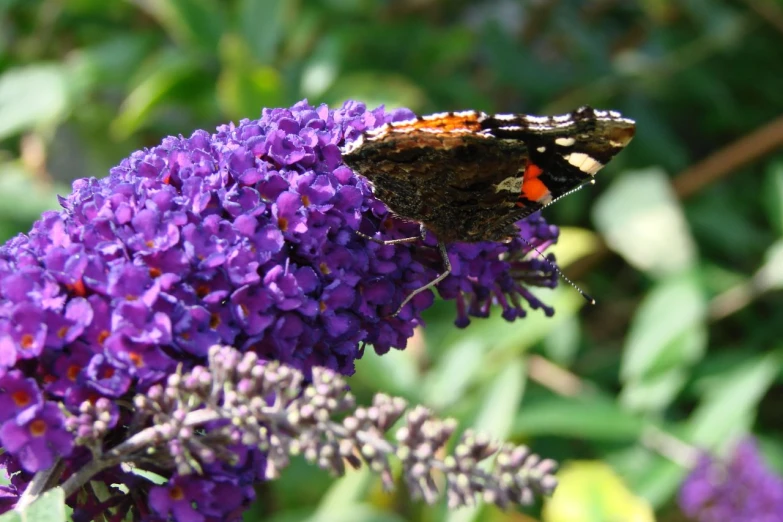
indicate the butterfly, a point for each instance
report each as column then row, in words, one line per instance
column 469, row 176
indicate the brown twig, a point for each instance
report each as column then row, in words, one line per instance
column 727, row 160
column 769, row 11
column 554, row 377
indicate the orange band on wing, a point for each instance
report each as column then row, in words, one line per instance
column 532, row 187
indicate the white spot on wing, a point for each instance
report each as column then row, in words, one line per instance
column 591, row 166
column 575, row 158
column 537, row 119
column 541, row 149
column 583, row 162
column 565, row 142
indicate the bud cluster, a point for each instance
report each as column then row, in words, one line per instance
column 200, row 415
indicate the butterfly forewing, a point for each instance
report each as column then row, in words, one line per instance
column 468, row 176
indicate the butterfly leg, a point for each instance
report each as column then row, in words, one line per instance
column 422, row 235
column 441, row 277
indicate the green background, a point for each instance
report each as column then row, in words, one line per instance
column 680, row 241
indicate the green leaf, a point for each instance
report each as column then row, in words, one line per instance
column 194, row 24
column 346, row 490
column 495, row 341
column 662, row 335
column 730, row 400
column 641, row 219
column 453, row 373
column 668, row 335
column 573, row 244
column 287, row 489
column 23, row 198
column 108, row 61
column 495, row 418
column 356, row 513
column 773, row 196
column 464, row 514
column 49, row 507
column 244, row 89
column 31, row 97
column 585, row 418
column 395, row 373
column 770, row 275
column 321, row 69
column 658, row 389
column 149, row 475
column 343, row 501
column 374, row 89
column 726, row 412
column 165, row 72
column 502, row 400
column 729, row 235
column 506, row 340
column 561, row 345
column 263, row 25
column 652, row 476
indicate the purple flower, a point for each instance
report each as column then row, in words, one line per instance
column 9, row 496
column 742, row 488
column 12, row 470
column 37, row 436
column 17, row 394
column 488, row 273
column 246, row 237
column 194, row 499
column 67, row 369
column 15, row 481
column 178, row 497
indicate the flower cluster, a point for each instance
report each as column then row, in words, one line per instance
column 271, row 407
column 246, row 237
column 743, row 488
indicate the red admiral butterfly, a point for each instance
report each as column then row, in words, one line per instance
column 469, row 176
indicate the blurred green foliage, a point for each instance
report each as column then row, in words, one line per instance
column 684, row 347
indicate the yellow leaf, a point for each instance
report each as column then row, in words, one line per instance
column 590, row 491
column 574, row 244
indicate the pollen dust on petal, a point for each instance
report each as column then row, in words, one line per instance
column 37, row 428
column 21, row 398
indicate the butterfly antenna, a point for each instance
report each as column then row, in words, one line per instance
column 561, row 274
